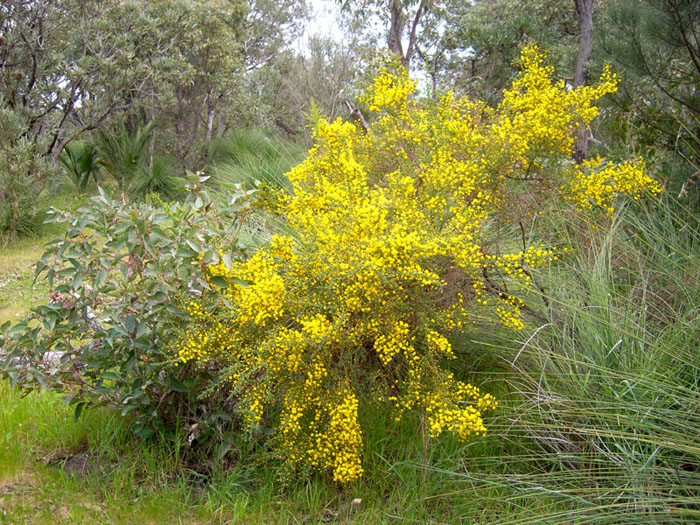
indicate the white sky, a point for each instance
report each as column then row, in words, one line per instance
column 324, row 19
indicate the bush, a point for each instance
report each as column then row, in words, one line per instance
column 121, row 279
column 22, row 177
column 392, row 249
column 82, row 163
column 389, row 255
column 125, row 157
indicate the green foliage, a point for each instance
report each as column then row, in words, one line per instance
column 159, row 178
column 609, row 385
column 479, row 47
column 82, row 163
column 123, row 152
column 22, row 176
column 658, row 45
column 187, row 66
column 119, row 279
column 326, row 73
column 249, row 155
column 125, row 157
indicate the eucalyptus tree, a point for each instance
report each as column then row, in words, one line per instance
column 62, row 70
column 296, row 86
column 188, row 55
column 62, row 73
column 402, row 21
column 478, row 48
column 68, row 67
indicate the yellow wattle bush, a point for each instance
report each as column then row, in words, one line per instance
column 388, row 257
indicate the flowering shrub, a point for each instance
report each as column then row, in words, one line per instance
column 387, row 257
column 389, row 253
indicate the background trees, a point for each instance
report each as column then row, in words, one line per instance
column 60, row 76
column 657, row 44
column 196, row 70
column 70, row 67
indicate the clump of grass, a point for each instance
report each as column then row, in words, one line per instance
column 256, row 160
column 605, row 405
column 249, row 155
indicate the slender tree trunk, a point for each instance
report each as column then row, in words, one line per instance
column 180, row 127
column 396, row 29
column 152, row 139
column 584, row 11
column 399, row 19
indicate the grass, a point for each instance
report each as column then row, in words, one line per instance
column 152, row 483
column 249, row 155
column 599, row 416
column 17, row 291
column 608, row 406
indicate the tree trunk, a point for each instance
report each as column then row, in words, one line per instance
column 584, row 12
column 396, row 29
column 399, row 18
column 180, row 127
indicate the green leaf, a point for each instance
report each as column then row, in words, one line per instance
column 219, row 281
column 100, row 278
column 177, row 385
column 79, row 407
column 227, row 260
column 241, row 282
column 143, row 432
column 195, row 246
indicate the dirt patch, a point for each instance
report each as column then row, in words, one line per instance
column 15, row 489
column 78, row 464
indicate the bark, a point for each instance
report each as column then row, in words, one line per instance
column 356, row 115
column 413, row 35
column 584, row 12
column 397, row 27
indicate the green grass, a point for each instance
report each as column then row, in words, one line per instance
column 151, row 482
column 608, row 405
column 249, row 155
column 17, row 290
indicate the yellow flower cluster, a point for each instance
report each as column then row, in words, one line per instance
column 339, row 447
column 395, row 342
column 389, row 91
column 596, row 184
column 538, row 114
column 445, row 412
column 387, row 257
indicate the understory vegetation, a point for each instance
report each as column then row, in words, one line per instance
column 239, row 284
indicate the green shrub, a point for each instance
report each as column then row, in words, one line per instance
column 121, row 279
column 23, row 174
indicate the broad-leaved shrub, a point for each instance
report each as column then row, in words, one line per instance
column 121, row 279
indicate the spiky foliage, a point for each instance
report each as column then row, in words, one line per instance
column 82, row 163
